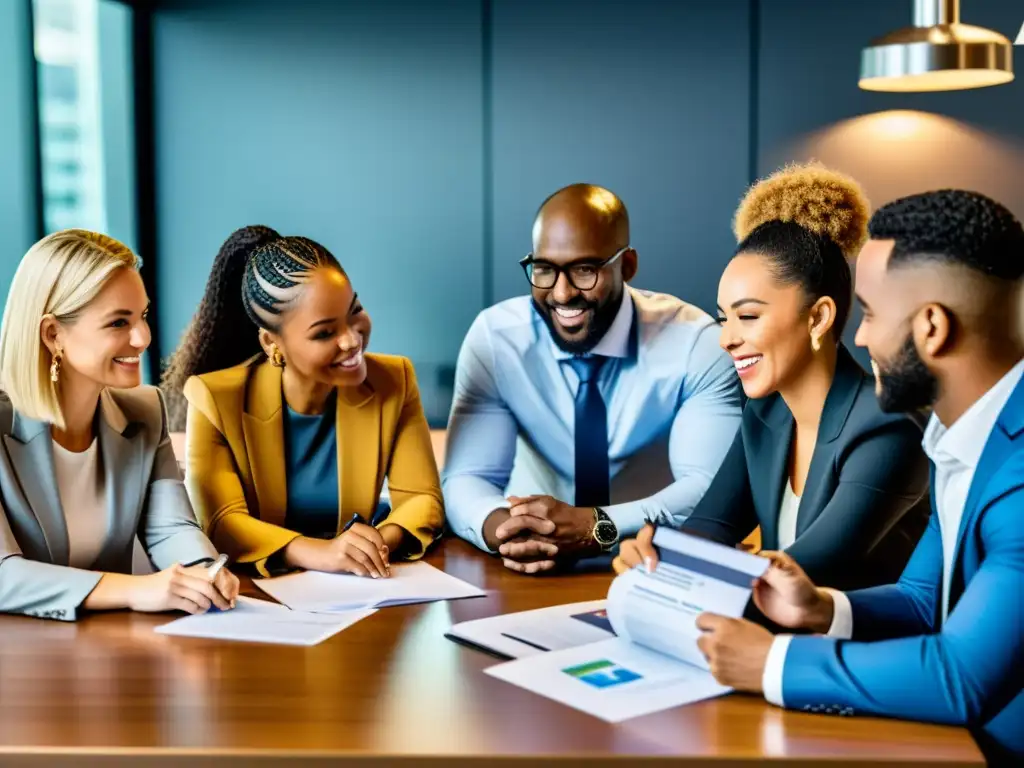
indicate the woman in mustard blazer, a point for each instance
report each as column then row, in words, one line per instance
column 287, row 451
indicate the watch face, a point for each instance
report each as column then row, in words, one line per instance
column 605, row 532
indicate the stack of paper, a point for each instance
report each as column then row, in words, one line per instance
column 259, row 621
column 518, row 635
column 653, row 663
column 332, row 592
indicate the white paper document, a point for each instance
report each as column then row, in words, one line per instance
column 653, row 663
column 331, row 592
column 260, row 621
column 517, row 635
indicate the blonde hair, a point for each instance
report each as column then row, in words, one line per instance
column 60, row 275
column 820, row 200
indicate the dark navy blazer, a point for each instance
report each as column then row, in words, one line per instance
column 864, row 505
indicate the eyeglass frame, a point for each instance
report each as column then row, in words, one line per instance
column 528, row 260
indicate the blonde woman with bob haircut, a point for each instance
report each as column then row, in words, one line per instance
column 86, row 463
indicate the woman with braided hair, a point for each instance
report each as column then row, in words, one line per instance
column 201, row 351
column 287, row 450
column 817, row 465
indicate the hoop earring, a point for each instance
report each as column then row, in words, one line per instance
column 58, row 357
column 276, row 358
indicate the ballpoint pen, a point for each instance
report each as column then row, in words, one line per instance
column 214, row 569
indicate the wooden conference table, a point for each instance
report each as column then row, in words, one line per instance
column 390, row 690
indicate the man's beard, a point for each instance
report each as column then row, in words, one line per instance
column 601, row 320
column 906, row 384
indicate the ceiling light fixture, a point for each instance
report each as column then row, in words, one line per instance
column 938, row 53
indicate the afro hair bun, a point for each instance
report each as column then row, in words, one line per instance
column 820, row 200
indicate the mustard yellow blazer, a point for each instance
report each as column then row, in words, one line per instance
column 235, row 463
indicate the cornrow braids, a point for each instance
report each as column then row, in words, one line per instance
column 220, row 334
column 274, row 274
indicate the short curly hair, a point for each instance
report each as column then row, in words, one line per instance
column 809, row 222
column 953, row 226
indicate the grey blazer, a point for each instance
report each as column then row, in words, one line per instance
column 864, row 505
column 145, row 497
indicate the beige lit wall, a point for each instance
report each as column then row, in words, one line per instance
column 899, row 152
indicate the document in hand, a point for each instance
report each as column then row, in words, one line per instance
column 260, row 621
column 517, row 635
column 331, row 592
column 653, row 663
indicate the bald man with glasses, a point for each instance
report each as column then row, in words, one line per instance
column 587, row 408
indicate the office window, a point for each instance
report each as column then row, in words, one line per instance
column 84, row 60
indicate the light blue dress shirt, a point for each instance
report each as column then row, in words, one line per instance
column 669, row 389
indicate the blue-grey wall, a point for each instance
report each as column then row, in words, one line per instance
column 357, row 124
column 18, row 184
column 650, row 99
column 416, row 139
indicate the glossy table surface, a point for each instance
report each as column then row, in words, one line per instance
column 391, row 689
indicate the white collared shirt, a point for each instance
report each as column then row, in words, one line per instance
column 955, row 452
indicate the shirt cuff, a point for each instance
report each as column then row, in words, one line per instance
column 842, row 616
column 774, row 666
column 474, row 532
column 629, row 518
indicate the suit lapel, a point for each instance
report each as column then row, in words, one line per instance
column 842, row 395
column 358, row 437
column 30, row 449
column 124, row 468
column 769, row 479
column 263, row 427
column 998, row 449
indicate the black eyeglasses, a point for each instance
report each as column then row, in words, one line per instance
column 582, row 275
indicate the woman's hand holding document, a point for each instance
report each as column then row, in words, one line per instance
column 654, row 663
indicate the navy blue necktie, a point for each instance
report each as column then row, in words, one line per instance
column 592, row 472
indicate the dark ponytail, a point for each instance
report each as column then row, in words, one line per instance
column 800, row 257
column 220, row 334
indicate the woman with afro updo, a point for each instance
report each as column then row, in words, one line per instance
column 826, row 475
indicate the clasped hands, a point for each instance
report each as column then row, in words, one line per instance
column 737, row 649
column 537, row 532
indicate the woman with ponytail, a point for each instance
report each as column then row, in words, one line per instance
column 201, row 351
column 288, row 447
column 827, row 475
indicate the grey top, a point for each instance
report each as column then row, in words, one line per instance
column 144, row 496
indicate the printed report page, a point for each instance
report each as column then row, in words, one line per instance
column 659, row 610
column 613, row 680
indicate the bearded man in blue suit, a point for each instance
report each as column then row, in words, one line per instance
column 940, row 283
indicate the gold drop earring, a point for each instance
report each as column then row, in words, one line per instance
column 58, row 357
column 276, row 358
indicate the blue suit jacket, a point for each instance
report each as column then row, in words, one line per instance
column 903, row 662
